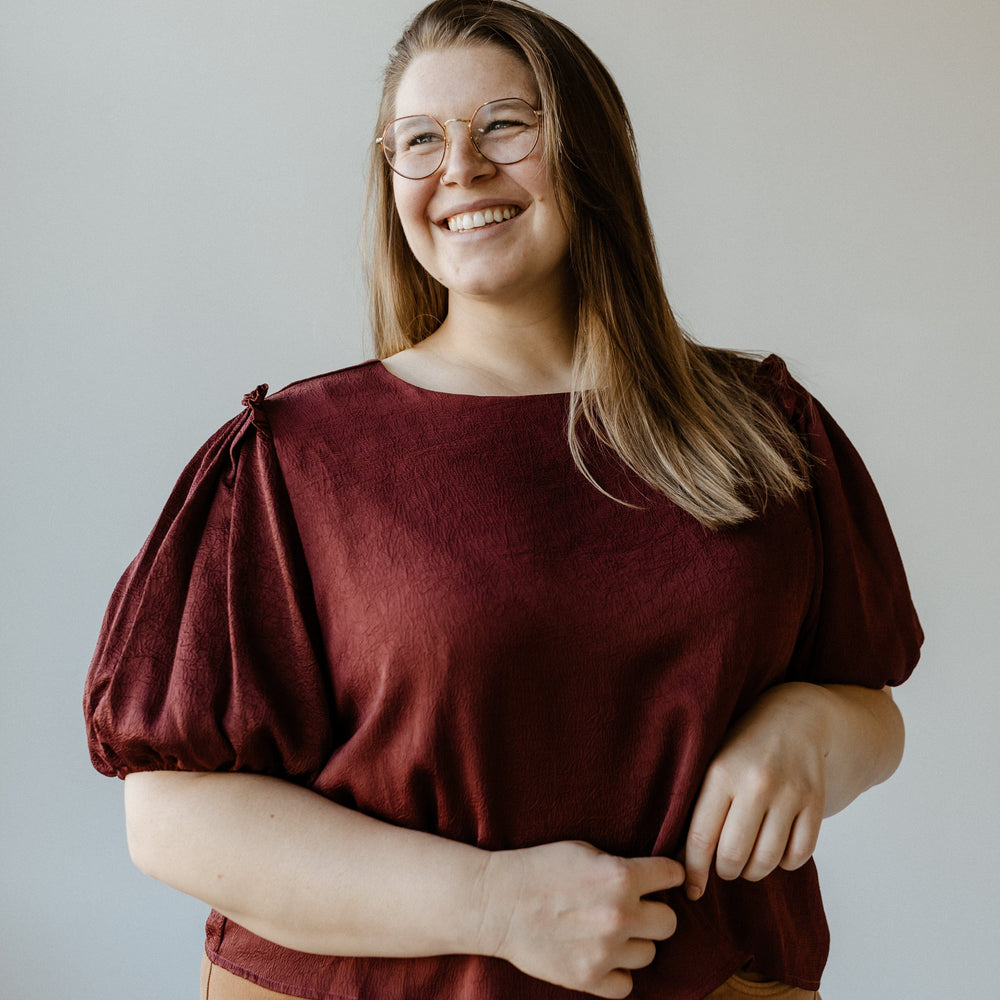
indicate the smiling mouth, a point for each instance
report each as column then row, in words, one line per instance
column 465, row 221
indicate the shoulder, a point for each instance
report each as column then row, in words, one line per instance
column 302, row 404
column 343, row 383
column 764, row 376
column 775, row 382
column 344, row 415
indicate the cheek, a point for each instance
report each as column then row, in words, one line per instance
column 534, row 176
column 411, row 205
column 411, row 201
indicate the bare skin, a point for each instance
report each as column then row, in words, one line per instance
column 447, row 362
column 802, row 752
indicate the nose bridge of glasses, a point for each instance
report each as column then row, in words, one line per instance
column 449, row 146
column 467, row 131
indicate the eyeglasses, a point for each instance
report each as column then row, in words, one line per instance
column 503, row 131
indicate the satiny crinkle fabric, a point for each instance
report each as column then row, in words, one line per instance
column 413, row 603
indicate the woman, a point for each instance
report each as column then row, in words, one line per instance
column 542, row 645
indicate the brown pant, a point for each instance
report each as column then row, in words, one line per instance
column 738, row 988
column 218, row 984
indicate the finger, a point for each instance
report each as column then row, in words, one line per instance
column 803, row 839
column 656, row 874
column 616, row 985
column 771, row 845
column 655, row 921
column 738, row 838
column 636, row 954
column 709, row 818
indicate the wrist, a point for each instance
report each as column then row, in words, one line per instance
column 810, row 709
column 496, row 891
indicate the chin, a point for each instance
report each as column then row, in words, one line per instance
column 475, row 282
column 486, row 288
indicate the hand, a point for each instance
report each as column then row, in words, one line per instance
column 764, row 794
column 571, row 915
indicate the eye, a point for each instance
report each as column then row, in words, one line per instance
column 423, row 139
column 413, row 134
column 502, row 123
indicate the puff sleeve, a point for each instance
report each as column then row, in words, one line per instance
column 209, row 657
column 861, row 627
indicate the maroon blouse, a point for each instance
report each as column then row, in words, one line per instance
column 413, row 603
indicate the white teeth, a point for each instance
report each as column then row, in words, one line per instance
column 476, row 220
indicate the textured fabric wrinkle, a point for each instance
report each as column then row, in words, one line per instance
column 183, row 677
column 267, row 467
column 288, row 612
column 506, row 656
column 116, row 717
column 859, row 575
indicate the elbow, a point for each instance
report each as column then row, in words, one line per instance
column 893, row 732
column 143, row 822
column 157, row 804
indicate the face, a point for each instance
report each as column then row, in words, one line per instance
column 525, row 255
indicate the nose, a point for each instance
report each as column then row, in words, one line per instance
column 463, row 163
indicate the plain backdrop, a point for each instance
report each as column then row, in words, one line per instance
column 180, row 195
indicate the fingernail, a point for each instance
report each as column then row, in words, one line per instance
column 694, row 892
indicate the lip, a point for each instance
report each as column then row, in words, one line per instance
column 477, row 206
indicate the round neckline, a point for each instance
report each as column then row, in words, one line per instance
column 394, row 378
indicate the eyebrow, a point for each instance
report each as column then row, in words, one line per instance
column 533, row 102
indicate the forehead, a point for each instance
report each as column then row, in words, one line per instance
column 453, row 82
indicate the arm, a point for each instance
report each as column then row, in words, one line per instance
column 802, row 752
column 309, row 874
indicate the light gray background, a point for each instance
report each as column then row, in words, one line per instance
column 181, row 187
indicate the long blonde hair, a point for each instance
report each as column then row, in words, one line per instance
column 682, row 416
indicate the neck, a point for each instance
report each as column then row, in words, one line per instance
column 511, row 347
column 527, row 354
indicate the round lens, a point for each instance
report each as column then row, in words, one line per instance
column 505, row 131
column 414, row 146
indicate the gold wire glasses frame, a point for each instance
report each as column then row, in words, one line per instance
column 504, row 131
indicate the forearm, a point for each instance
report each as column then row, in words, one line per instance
column 302, row 871
column 306, row 873
column 865, row 736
